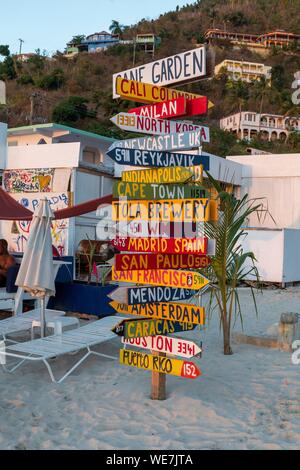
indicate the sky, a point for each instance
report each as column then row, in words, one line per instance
column 50, row 25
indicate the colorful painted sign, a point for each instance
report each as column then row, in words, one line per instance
column 166, row 344
column 134, row 191
column 173, row 108
column 135, row 157
column 150, row 294
column 28, row 181
column 180, row 141
column 177, row 210
column 140, row 328
column 180, row 68
column 164, row 175
column 146, row 125
column 162, row 277
column 163, row 365
column 183, row 313
column 195, row 246
column 138, row 262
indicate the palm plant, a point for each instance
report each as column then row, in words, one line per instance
column 230, row 265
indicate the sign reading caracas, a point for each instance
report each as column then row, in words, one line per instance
column 135, row 157
column 158, row 191
column 178, row 68
column 164, row 175
column 126, row 262
column 140, row 328
column 179, row 107
column 145, row 295
column 146, row 125
column 165, row 344
column 163, row 365
column 195, row 246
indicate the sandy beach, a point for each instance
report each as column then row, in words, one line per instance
column 246, row 401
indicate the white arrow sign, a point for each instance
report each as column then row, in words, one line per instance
column 165, row 344
column 148, row 125
column 180, row 141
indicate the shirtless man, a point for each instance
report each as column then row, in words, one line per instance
column 6, row 261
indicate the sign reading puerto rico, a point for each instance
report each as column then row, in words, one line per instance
column 164, row 175
column 146, row 125
column 150, row 294
column 140, row 328
column 182, row 313
column 163, row 365
column 194, row 246
column 179, row 68
column 179, row 107
column 158, row 191
column 165, row 344
column 134, row 262
column 162, row 277
column 144, row 158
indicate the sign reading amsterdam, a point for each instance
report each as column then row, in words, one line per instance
column 165, row 344
column 140, row 328
column 158, row 191
column 135, row 262
column 135, row 157
column 196, row 246
column 145, row 295
column 163, row 365
column 164, row 175
column 162, row 277
column 179, row 68
column 173, row 108
column 146, row 125
column 182, row 313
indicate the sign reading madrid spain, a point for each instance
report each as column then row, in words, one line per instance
column 179, row 68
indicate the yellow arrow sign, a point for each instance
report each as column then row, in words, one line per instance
column 164, row 175
column 162, row 277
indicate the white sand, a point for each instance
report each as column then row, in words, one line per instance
column 246, row 401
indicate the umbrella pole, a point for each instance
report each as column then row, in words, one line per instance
column 43, row 320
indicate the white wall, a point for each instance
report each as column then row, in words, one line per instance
column 3, row 148
column 44, row 156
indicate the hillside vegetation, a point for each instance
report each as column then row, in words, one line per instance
column 77, row 91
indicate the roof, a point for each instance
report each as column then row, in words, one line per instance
column 52, row 127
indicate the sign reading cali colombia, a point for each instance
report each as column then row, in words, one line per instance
column 179, row 68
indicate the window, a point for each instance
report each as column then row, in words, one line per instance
column 91, row 156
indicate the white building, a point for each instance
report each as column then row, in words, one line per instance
column 247, row 125
column 245, row 71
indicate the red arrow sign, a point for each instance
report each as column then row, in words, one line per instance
column 190, row 370
column 173, row 108
column 197, row 246
column 160, row 261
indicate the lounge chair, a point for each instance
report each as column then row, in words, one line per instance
column 9, row 294
column 71, row 341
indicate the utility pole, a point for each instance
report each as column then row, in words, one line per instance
column 21, row 45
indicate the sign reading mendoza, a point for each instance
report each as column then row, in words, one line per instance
column 134, row 157
column 185, row 67
column 158, row 191
column 145, row 295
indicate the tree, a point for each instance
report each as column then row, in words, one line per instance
column 116, row 27
column 4, row 50
column 238, row 93
column 77, row 39
column 70, row 110
column 53, row 80
column 278, row 77
column 230, row 265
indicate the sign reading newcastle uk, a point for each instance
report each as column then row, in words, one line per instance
column 150, row 294
column 182, row 313
column 196, row 246
column 134, row 262
column 141, row 328
column 163, row 365
column 146, row 125
column 167, row 175
column 158, row 191
column 179, row 68
column 165, row 344
column 144, row 158
column 173, row 108
column 180, row 141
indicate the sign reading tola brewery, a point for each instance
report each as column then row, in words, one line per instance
column 133, row 262
column 179, row 107
column 162, row 277
column 140, row 328
column 179, row 68
column 151, row 294
column 158, row 191
column 163, row 365
column 183, row 313
column 146, row 125
column 165, row 344
column 164, row 175
column 135, row 157
column 196, row 246
column 180, row 141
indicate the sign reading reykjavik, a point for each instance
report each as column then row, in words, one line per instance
column 167, row 175
column 158, row 191
column 146, row 125
column 145, row 295
column 165, row 344
column 135, row 157
column 179, row 107
column 134, row 262
column 179, row 68
column 195, row 246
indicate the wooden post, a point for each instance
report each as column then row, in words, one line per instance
column 158, row 383
column 287, row 331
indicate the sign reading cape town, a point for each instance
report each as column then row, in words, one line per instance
column 165, row 344
column 134, row 157
column 158, row 191
column 145, row 295
column 141, row 328
column 179, row 68
column 179, row 107
column 146, row 125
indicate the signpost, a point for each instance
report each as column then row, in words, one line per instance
column 179, row 107
column 147, row 125
column 135, row 157
column 140, row 328
column 160, row 364
column 164, row 175
column 133, row 262
column 196, row 246
column 134, row 191
column 183, row 313
column 150, row 294
column 165, row 344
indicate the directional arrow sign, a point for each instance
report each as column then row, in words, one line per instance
column 183, row 313
column 146, row 125
column 150, row 294
column 166, row 344
column 179, row 141
column 164, row 175
column 140, row 328
column 162, row 277
column 158, row 191
column 196, row 246
column 163, row 365
column 135, row 157
column 173, row 108
column 137, row 262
